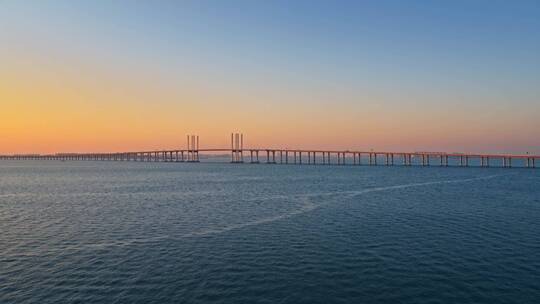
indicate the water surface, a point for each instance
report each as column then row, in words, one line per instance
column 118, row 232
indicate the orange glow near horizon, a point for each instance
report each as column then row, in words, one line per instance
column 47, row 115
column 48, row 108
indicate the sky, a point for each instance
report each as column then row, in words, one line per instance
column 107, row 76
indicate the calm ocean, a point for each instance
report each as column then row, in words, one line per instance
column 119, row 232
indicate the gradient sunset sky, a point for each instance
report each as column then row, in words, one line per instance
column 79, row 76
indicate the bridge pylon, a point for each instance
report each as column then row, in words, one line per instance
column 193, row 148
column 237, row 148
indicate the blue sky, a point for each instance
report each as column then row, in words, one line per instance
column 461, row 57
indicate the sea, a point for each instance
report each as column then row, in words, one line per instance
column 150, row 232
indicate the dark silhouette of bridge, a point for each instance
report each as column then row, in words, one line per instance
column 239, row 154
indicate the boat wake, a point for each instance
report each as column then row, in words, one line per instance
column 307, row 205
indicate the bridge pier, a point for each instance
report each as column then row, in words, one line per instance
column 271, row 160
column 329, row 158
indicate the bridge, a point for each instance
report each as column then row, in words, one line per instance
column 239, row 154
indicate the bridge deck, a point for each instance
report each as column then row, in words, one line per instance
column 295, row 156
